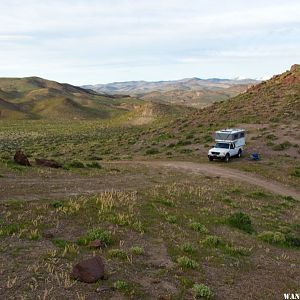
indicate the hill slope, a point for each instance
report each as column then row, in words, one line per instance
column 193, row 92
column 277, row 99
column 37, row 98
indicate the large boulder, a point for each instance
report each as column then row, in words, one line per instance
column 89, row 270
column 48, row 163
column 21, row 159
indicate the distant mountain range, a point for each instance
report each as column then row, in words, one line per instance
column 193, row 92
column 38, row 98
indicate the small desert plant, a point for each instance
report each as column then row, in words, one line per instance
column 187, row 263
column 199, row 227
column 117, row 253
column 202, row 291
column 100, row 234
column 212, row 241
column 121, row 285
column 76, row 164
column 272, row 237
column 171, row 219
column 57, row 204
column 152, row 151
column 241, row 221
column 296, row 172
column 188, row 248
column 137, row 250
column 94, row 165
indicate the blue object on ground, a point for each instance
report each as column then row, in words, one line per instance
column 255, row 156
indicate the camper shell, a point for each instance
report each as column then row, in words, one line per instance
column 229, row 142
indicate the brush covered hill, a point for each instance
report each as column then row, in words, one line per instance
column 194, row 92
column 274, row 100
column 37, row 98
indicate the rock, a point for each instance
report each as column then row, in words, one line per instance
column 21, row 159
column 89, row 270
column 48, row 163
column 48, row 235
column 96, row 244
column 103, row 289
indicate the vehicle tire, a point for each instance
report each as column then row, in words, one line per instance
column 210, row 158
column 227, row 158
column 239, row 153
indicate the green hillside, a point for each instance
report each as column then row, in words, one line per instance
column 37, row 98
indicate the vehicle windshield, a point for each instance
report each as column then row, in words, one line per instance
column 222, row 145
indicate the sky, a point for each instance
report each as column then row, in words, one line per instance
column 101, row 41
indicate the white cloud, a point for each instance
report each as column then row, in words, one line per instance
column 105, row 40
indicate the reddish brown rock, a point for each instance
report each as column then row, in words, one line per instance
column 48, row 163
column 21, row 159
column 89, row 270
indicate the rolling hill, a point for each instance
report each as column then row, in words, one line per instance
column 37, row 98
column 192, row 92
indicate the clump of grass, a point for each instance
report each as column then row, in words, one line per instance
column 241, row 221
column 283, row 146
column 34, row 235
column 100, row 234
column 188, row 248
column 187, row 263
column 136, row 250
column 57, row 204
column 152, row 151
column 199, row 227
column 236, row 250
column 296, row 172
column 166, row 202
column 212, row 241
column 202, row 291
column 76, row 164
column 121, row 285
column 117, row 253
column 59, row 243
column 272, row 237
column 9, row 229
column 94, row 165
column 171, row 219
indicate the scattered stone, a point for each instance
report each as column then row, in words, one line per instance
column 103, row 289
column 21, row 159
column 96, row 244
column 89, row 270
column 48, row 235
column 48, row 163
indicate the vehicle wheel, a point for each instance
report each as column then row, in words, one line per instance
column 210, row 158
column 227, row 157
column 239, row 153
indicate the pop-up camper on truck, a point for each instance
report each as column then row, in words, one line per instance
column 229, row 142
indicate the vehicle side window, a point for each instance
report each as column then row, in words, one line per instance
column 232, row 146
column 236, row 136
column 242, row 134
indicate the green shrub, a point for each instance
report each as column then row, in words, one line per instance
column 100, row 234
column 292, row 241
column 188, row 248
column 171, row 219
column 57, row 204
column 187, row 263
column 76, row 164
column 59, row 243
column 152, row 151
column 241, row 221
column 283, row 146
column 202, row 291
column 117, row 253
column 212, row 240
column 199, row 227
column 137, row 250
column 272, row 237
column 296, row 172
column 94, row 165
column 121, row 285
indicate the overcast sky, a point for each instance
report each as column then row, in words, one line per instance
column 100, row 41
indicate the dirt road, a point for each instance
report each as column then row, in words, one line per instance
column 55, row 185
column 214, row 170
